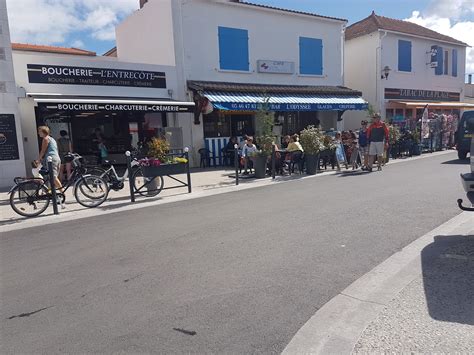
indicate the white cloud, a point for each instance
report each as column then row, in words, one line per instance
column 77, row 44
column 454, row 18
column 52, row 21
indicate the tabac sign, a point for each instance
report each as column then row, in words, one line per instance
column 420, row 95
column 65, row 75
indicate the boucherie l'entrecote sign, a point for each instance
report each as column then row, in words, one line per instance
column 66, row 75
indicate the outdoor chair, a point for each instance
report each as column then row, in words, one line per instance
column 205, row 160
column 296, row 159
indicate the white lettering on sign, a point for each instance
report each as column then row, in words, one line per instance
column 66, row 71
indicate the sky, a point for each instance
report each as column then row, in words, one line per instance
column 90, row 24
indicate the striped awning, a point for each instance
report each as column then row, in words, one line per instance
column 243, row 101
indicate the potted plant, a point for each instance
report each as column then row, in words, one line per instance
column 264, row 119
column 159, row 163
column 417, row 147
column 311, row 140
column 394, row 138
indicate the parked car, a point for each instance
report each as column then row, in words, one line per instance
column 464, row 134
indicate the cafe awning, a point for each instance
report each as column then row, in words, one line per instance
column 439, row 104
column 250, row 97
column 236, row 101
column 77, row 103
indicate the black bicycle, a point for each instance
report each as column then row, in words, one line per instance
column 30, row 197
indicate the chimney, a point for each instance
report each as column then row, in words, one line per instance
column 142, row 3
column 469, row 79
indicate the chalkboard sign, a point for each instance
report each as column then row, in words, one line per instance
column 8, row 141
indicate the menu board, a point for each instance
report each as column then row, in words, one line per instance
column 8, row 141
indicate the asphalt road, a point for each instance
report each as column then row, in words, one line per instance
column 235, row 273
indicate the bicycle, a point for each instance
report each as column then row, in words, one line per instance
column 147, row 187
column 35, row 195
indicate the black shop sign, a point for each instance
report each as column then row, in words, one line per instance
column 421, row 95
column 118, row 107
column 65, row 75
column 8, row 141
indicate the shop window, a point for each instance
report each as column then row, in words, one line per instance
column 233, row 49
column 399, row 114
column 454, row 69
column 446, row 62
column 389, row 113
column 439, row 59
column 241, row 125
column 404, row 55
column 216, row 125
column 311, row 56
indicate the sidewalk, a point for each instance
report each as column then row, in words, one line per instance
column 205, row 182
column 417, row 301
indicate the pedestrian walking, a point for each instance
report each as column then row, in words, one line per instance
column 377, row 133
column 64, row 147
column 364, row 144
column 49, row 148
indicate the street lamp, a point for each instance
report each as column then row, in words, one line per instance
column 385, row 72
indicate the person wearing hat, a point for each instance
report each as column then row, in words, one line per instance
column 364, row 144
column 377, row 133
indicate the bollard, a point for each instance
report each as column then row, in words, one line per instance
column 53, row 187
column 130, row 176
column 273, row 161
column 236, row 163
column 188, row 172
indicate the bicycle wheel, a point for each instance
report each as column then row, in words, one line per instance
column 91, row 191
column 147, row 187
column 29, row 198
column 98, row 171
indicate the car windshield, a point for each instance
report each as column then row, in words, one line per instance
column 469, row 124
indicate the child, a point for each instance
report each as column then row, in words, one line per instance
column 248, row 149
column 36, row 168
column 354, row 155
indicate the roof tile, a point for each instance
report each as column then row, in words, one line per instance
column 51, row 49
column 375, row 22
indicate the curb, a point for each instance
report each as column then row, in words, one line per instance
column 75, row 215
column 336, row 327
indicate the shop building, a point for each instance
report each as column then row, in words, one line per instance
column 87, row 95
column 231, row 56
column 12, row 161
column 406, row 67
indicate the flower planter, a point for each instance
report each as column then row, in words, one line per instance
column 312, row 163
column 260, row 166
column 416, row 149
column 164, row 169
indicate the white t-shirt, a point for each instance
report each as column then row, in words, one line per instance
column 246, row 150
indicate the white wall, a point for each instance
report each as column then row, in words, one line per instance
column 146, row 36
column 27, row 104
column 422, row 76
column 273, row 35
column 360, row 73
column 9, row 102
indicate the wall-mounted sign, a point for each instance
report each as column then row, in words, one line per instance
column 117, row 107
column 276, row 67
column 8, row 141
column 421, row 95
column 289, row 107
column 65, row 75
column 434, row 57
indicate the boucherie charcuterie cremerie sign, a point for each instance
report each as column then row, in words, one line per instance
column 66, row 75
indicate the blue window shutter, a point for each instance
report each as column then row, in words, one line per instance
column 311, row 56
column 439, row 57
column 404, row 55
column 233, row 49
column 455, row 62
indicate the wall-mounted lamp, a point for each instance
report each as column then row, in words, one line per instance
column 385, row 72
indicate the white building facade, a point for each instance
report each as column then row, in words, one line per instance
column 12, row 161
column 232, row 54
column 401, row 67
column 84, row 94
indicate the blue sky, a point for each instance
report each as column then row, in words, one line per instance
column 90, row 24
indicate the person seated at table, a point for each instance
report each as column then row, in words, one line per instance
column 248, row 149
column 294, row 144
column 229, row 150
column 285, row 142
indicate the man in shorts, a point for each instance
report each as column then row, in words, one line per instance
column 377, row 134
column 364, row 144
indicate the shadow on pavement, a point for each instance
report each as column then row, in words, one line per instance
column 456, row 162
column 448, row 278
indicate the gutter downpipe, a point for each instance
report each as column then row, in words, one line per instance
column 378, row 59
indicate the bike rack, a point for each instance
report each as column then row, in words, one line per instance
column 186, row 183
